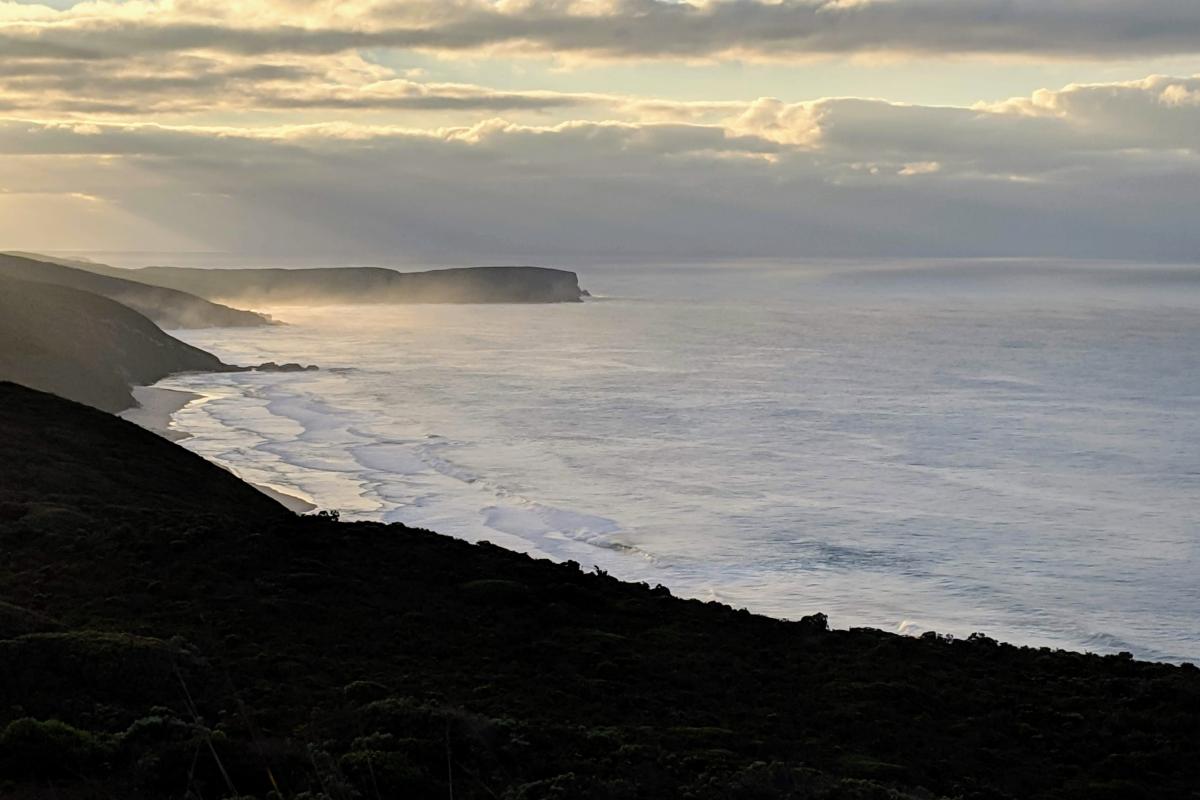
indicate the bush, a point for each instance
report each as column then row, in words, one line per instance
column 50, row 748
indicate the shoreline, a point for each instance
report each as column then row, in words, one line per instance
column 156, row 411
column 213, row 587
column 291, row 502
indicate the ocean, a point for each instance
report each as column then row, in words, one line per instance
column 1004, row 447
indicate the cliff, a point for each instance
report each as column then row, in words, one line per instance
column 85, row 347
column 369, row 284
column 169, row 308
column 166, row 632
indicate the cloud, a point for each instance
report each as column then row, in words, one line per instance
column 611, row 29
column 920, row 168
column 113, row 105
column 1156, row 112
column 196, row 84
column 142, row 58
column 175, row 84
column 1089, row 170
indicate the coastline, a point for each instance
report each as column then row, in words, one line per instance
column 289, row 501
column 213, row 588
column 155, row 412
column 156, row 408
column 464, row 486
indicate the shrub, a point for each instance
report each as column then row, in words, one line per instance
column 49, row 748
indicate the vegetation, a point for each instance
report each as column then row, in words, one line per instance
column 167, row 632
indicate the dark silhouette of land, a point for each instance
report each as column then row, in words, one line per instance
column 86, row 347
column 168, row 308
column 365, row 284
column 168, row 632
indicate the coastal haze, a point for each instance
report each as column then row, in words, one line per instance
column 997, row 446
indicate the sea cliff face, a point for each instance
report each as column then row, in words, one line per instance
column 371, row 284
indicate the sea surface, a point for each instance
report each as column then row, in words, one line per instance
column 1004, row 447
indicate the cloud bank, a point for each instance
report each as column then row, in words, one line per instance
column 777, row 29
column 1106, row 170
column 276, row 125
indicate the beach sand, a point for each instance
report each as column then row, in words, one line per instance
column 155, row 409
column 155, row 412
column 288, row 501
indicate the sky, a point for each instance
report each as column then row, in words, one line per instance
column 590, row 131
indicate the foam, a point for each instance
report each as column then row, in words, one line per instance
column 391, row 458
column 534, row 521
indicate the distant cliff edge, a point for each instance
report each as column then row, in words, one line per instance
column 366, row 284
column 169, row 308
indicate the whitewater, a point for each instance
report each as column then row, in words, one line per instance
column 1003, row 447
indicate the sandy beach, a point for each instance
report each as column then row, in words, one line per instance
column 155, row 409
column 288, row 501
column 155, row 413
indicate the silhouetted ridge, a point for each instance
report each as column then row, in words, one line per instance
column 86, row 347
column 166, row 632
column 64, row 455
column 371, row 284
column 169, row 308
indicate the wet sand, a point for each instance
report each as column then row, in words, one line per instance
column 156, row 408
column 288, row 501
column 155, row 413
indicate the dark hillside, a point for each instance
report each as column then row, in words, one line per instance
column 168, row 308
column 370, row 284
column 64, row 455
column 85, row 347
column 166, row 632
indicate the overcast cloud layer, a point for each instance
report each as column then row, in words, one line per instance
column 147, row 125
column 609, row 28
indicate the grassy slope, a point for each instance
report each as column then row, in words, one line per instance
column 167, row 307
column 84, row 346
column 189, row 636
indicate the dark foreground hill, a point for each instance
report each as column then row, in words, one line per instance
column 84, row 346
column 166, row 632
column 369, row 284
column 169, row 308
